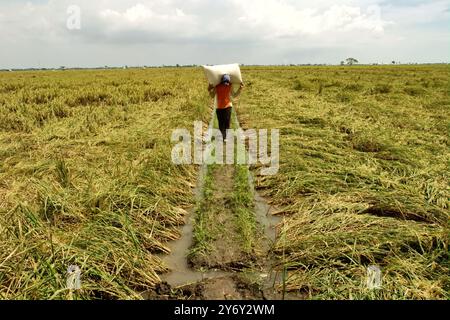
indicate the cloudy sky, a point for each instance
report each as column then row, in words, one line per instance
column 48, row 33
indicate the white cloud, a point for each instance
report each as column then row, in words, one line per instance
column 273, row 19
column 260, row 29
column 281, row 19
column 426, row 12
column 167, row 21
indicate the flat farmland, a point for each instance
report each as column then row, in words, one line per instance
column 364, row 176
column 87, row 179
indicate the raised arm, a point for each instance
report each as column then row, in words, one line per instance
column 239, row 91
column 211, row 90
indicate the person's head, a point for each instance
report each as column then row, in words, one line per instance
column 226, row 79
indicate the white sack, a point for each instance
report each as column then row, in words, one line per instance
column 214, row 73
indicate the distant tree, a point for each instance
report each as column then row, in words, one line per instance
column 342, row 63
column 393, row 61
column 351, row 61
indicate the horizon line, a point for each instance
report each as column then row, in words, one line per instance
column 199, row 65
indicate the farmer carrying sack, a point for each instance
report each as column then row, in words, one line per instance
column 214, row 73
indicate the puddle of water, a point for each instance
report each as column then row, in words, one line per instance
column 181, row 273
column 265, row 217
column 269, row 222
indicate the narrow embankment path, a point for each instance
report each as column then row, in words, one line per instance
column 222, row 235
column 225, row 248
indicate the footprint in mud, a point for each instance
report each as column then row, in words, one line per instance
column 222, row 288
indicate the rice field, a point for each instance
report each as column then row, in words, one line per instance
column 364, row 176
column 86, row 178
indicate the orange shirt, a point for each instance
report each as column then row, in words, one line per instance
column 223, row 93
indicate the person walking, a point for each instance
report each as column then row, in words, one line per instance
column 224, row 94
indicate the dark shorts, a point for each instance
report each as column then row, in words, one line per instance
column 224, row 118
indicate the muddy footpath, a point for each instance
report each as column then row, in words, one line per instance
column 226, row 272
